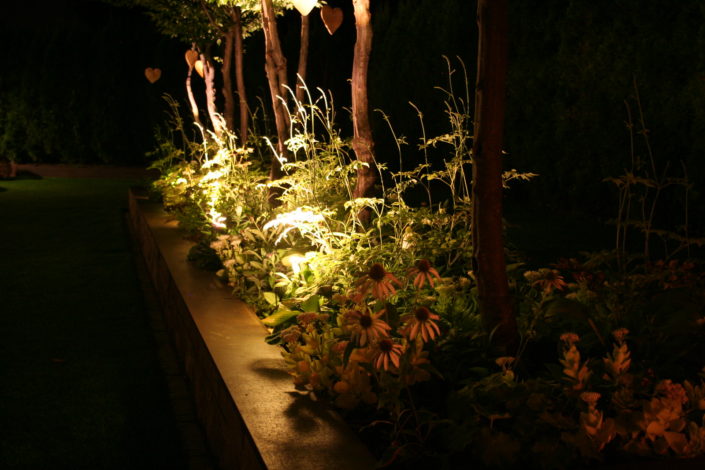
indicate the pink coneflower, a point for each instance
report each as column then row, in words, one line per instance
column 366, row 327
column 422, row 271
column 420, row 322
column 546, row 279
column 378, row 281
column 387, row 353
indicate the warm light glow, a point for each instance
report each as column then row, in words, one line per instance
column 295, row 260
column 304, row 6
column 216, row 218
column 298, row 218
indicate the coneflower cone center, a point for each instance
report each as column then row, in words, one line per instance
column 377, row 272
column 422, row 314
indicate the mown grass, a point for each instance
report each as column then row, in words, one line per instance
column 80, row 381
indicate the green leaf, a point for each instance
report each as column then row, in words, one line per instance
column 270, row 298
column 309, row 275
column 312, row 304
column 279, row 317
column 274, row 338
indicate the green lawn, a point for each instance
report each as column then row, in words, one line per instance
column 80, row 381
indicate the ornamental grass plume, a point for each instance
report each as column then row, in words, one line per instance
column 379, row 282
column 423, row 272
column 420, row 323
column 366, row 327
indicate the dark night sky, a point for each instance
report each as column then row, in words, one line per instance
column 571, row 69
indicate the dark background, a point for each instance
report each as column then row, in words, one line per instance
column 72, row 87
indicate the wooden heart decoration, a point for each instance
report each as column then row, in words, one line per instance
column 332, row 17
column 191, row 57
column 152, row 74
column 198, row 65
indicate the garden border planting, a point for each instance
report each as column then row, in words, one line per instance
column 252, row 416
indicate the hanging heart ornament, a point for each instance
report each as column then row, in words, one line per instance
column 191, row 57
column 332, row 18
column 152, row 74
column 304, row 6
column 198, row 65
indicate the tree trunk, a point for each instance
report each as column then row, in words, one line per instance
column 191, row 98
column 229, row 111
column 209, row 77
column 303, row 59
column 239, row 76
column 488, row 245
column 362, row 143
column 275, row 66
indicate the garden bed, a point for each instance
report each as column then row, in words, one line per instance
column 252, row 416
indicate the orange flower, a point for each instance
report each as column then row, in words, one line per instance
column 590, row 398
column 673, row 391
column 379, row 282
column 420, row 322
column 291, row 334
column 570, row 338
column 620, row 334
column 422, row 272
column 366, row 327
column 387, row 354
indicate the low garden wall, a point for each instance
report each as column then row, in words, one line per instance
column 252, row 416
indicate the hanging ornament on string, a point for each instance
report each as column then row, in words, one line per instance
column 191, row 57
column 304, row 6
column 332, row 18
column 152, row 74
column 198, row 65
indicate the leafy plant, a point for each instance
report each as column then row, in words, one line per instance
column 382, row 320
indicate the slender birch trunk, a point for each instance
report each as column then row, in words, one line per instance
column 191, row 98
column 303, row 59
column 275, row 66
column 226, row 71
column 239, row 75
column 488, row 244
column 209, row 77
column 362, row 143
